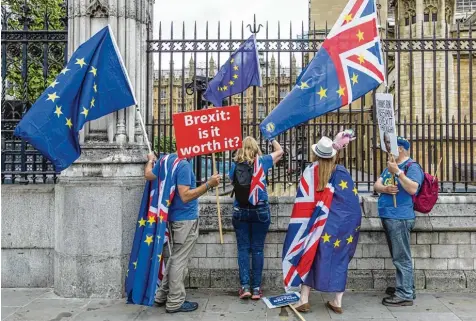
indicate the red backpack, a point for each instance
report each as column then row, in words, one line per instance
column 426, row 198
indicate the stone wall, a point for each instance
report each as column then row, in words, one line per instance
column 443, row 244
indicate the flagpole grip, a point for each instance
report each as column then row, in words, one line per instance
column 218, row 200
column 393, row 181
column 143, row 129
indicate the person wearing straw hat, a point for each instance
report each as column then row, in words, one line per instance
column 183, row 218
column 324, row 227
column 399, row 220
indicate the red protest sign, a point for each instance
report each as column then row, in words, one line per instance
column 207, row 131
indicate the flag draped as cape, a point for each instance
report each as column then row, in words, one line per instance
column 323, row 232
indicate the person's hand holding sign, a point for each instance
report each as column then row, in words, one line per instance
column 213, row 181
column 392, row 166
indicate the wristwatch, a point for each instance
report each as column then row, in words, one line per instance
column 398, row 173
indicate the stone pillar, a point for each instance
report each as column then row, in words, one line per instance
column 97, row 198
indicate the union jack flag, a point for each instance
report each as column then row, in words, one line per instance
column 348, row 65
column 146, row 265
column 257, row 187
column 308, row 220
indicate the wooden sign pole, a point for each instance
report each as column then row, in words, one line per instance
column 393, row 181
column 218, row 200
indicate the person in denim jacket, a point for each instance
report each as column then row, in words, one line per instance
column 251, row 222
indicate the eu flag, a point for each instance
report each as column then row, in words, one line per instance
column 240, row 72
column 94, row 83
column 348, row 65
column 322, row 233
column 146, row 262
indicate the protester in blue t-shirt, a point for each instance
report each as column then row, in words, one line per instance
column 183, row 218
column 251, row 222
column 399, row 220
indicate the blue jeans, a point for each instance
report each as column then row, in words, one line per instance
column 398, row 239
column 251, row 226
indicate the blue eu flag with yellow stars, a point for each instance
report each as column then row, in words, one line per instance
column 240, row 72
column 93, row 84
column 146, row 268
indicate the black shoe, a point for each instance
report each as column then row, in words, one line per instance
column 186, row 307
column 395, row 301
column 391, row 291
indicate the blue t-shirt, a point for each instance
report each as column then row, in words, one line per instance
column 404, row 209
column 267, row 163
column 178, row 210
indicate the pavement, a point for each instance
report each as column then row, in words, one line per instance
column 44, row 305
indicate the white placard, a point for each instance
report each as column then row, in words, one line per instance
column 386, row 123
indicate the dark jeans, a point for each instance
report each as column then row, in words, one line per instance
column 398, row 239
column 251, row 226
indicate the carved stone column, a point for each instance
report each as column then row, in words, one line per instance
column 97, row 198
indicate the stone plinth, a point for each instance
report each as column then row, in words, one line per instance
column 96, row 204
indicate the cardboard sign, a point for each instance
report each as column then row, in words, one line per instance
column 207, row 131
column 386, row 123
column 281, row 300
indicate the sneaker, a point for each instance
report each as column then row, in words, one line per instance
column 186, row 307
column 257, row 293
column 391, row 291
column 395, row 301
column 244, row 292
column 159, row 303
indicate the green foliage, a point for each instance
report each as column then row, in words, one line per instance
column 40, row 15
column 165, row 145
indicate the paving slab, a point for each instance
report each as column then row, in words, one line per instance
column 49, row 310
column 424, row 302
column 422, row 316
column 117, row 310
column 461, row 304
column 360, row 305
column 7, row 311
column 21, row 297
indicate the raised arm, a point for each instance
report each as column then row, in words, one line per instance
column 278, row 151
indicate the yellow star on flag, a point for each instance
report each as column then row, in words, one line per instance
column 94, row 71
column 231, row 82
column 355, row 191
column 355, row 79
column 361, row 59
column 343, row 184
column 85, row 112
column 80, row 62
column 322, row 93
column 348, row 17
column 360, row 35
column 159, row 257
column 135, row 264
column 95, row 87
column 92, row 102
column 161, row 218
column 337, row 243
column 235, row 76
column 52, row 97
column 149, row 239
column 54, row 83
column 326, row 237
column 65, row 70
column 341, row 91
column 219, row 88
column 69, row 123
column 151, row 220
column 142, row 222
column 58, row 111
column 168, row 203
column 232, row 60
column 225, row 87
column 235, row 68
column 303, row 85
column 350, row 239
